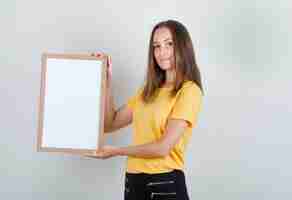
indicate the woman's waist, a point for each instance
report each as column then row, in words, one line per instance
column 153, row 166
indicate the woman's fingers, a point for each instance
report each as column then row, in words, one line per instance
column 98, row 54
column 109, row 64
column 96, row 154
column 109, row 61
column 109, row 58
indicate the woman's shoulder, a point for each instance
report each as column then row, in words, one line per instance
column 138, row 92
column 190, row 85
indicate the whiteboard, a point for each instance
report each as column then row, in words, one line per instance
column 71, row 106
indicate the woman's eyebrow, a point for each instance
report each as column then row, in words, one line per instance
column 163, row 40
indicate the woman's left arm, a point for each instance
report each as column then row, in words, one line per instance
column 156, row 149
column 161, row 147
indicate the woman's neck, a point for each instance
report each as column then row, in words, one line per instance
column 170, row 77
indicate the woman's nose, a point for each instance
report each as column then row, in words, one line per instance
column 163, row 52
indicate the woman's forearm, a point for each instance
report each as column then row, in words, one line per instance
column 149, row 150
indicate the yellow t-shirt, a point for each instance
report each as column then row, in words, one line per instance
column 149, row 123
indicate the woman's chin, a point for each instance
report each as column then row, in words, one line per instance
column 165, row 67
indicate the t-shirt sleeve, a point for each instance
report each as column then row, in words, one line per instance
column 132, row 101
column 188, row 105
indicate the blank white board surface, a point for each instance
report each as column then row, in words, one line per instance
column 71, row 103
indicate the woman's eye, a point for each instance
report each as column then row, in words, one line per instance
column 169, row 43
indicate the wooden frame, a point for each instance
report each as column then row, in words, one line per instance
column 67, row 92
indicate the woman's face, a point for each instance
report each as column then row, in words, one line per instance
column 163, row 48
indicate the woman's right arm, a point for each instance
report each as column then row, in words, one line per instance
column 113, row 119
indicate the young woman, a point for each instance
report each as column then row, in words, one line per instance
column 163, row 113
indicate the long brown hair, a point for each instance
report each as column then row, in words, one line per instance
column 185, row 63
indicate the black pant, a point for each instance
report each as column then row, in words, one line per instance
column 170, row 186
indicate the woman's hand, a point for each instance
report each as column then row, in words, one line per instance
column 108, row 68
column 104, row 153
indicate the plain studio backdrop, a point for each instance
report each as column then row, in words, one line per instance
column 239, row 150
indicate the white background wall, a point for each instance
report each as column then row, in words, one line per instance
column 242, row 145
